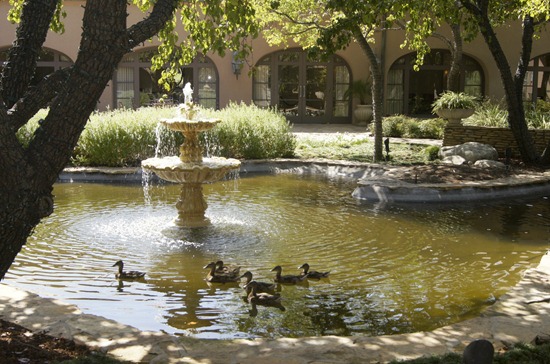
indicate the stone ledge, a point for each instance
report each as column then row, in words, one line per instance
column 385, row 189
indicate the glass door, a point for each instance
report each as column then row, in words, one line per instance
column 304, row 89
column 315, row 93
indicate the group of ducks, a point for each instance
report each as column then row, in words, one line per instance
column 258, row 293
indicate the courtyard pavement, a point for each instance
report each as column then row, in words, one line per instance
column 518, row 316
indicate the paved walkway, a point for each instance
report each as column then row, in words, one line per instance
column 518, row 316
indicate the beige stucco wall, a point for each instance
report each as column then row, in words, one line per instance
column 233, row 89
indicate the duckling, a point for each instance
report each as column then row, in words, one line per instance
column 228, row 270
column 260, row 286
column 121, row 274
column 213, row 277
column 312, row 274
column 288, row 279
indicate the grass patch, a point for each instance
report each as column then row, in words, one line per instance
column 361, row 150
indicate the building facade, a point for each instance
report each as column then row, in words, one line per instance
column 306, row 90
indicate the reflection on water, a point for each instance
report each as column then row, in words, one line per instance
column 393, row 269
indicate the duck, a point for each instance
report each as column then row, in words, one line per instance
column 229, row 270
column 262, row 298
column 132, row 274
column 260, row 286
column 312, row 274
column 288, row 279
column 214, row 277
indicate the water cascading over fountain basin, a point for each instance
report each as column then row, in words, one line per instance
column 190, row 169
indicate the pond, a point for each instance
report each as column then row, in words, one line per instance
column 394, row 269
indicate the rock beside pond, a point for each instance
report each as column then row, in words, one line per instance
column 471, row 152
column 487, row 163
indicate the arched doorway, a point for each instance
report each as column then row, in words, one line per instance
column 48, row 62
column 136, row 84
column 305, row 89
column 537, row 80
column 413, row 92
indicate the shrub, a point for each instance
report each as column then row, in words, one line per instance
column 401, row 126
column 494, row 114
column 432, row 153
column 25, row 133
column 125, row 137
column 121, row 137
column 488, row 114
column 250, row 132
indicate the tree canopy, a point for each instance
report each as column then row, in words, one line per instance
column 71, row 94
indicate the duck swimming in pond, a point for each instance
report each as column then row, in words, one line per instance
column 121, row 274
column 287, row 279
column 228, row 270
column 262, row 299
column 260, row 286
column 312, row 274
column 214, row 277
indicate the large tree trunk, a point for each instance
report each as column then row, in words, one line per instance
column 512, row 84
column 29, row 174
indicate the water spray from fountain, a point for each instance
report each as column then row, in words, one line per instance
column 190, row 169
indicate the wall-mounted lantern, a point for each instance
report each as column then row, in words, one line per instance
column 236, row 64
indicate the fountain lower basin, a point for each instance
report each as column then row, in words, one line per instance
column 174, row 170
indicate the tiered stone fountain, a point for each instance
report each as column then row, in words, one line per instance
column 190, row 168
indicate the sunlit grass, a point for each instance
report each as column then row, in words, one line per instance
column 360, row 150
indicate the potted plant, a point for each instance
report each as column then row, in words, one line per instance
column 454, row 106
column 361, row 89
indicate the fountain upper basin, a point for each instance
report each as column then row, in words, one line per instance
column 186, row 125
column 174, row 170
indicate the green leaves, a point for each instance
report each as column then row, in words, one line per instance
column 210, row 26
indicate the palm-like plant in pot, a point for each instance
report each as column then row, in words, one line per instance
column 361, row 89
column 454, row 106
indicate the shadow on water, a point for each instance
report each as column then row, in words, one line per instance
column 394, row 269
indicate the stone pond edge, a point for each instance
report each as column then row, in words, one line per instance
column 372, row 184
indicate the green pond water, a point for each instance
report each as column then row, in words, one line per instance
column 394, row 269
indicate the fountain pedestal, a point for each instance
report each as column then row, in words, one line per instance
column 191, row 170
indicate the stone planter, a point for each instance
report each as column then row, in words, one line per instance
column 363, row 114
column 455, row 116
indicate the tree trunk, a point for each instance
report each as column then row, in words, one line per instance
column 377, row 92
column 512, row 85
column 29, row 174
column 453, row 79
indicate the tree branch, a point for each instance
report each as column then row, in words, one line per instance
column 38, row 97
column 23, row 55
column 162, row 12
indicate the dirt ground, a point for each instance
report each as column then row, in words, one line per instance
column 20, row 346
column 441, row 173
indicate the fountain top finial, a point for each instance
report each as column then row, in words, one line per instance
column 188, row 93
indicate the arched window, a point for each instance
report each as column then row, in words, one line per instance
column 136, row 84
column 537, row 80
column 413, row 92
column 48, row 62
column 305, row 89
